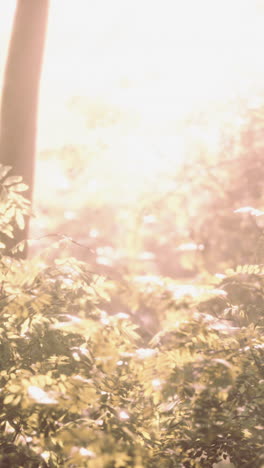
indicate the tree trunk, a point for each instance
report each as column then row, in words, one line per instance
column 19, row 106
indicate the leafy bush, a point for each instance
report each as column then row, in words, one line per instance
column 13, row 206
column 81, row 387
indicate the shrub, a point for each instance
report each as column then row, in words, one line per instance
column 81, row 387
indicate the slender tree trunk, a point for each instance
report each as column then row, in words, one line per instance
column 19, row 106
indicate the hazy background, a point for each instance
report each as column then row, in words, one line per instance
column 157, row 60
column 132, row 89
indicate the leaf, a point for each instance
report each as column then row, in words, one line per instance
column 19, row 247
column 146, row 435
column 4, row 171
column 245, row 269
column 13, row 180
column 7, row 230
column 8, row 399
column 251, row 269
column 14, row 388
column 20, row 220
column 20, row 188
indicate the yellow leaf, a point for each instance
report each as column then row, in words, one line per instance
column 4, row 170
column 145, row 435
column 14, row 388
column 20, row 188
column 9, row 399
column 245, row 269
column 20, row 220
column 12, row 180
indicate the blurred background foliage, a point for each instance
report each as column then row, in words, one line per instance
column 174, row 223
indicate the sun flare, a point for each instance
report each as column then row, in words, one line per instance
column 129, row 74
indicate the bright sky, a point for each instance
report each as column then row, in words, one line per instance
column 175, row 57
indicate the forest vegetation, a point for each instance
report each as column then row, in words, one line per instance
column 132, row 309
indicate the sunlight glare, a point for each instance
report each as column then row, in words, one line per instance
column 40, row 396
column 123, row 415
column 140, row 76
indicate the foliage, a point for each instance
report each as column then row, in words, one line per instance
column 187, row 221
column 220, row 216
column 82, row 387
column 13, row 206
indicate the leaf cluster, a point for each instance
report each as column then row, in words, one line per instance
column 83, row 387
